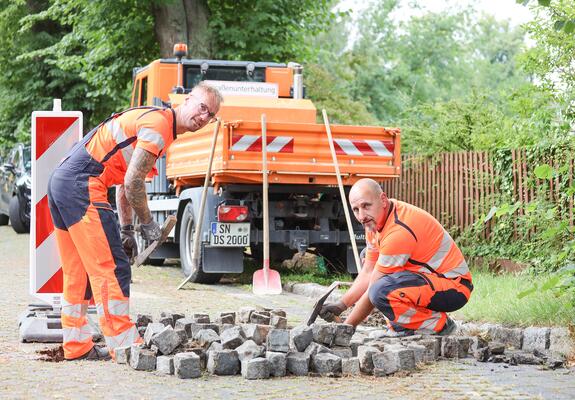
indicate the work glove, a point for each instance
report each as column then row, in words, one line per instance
column 151, row 231
column 129, row 244
column 329, row 311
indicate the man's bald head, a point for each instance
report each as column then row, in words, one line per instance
column 369, row 203
column 366, row 185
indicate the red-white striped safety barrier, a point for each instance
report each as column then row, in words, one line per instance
column 276, row 144
column 379, row 148
column 53, row 135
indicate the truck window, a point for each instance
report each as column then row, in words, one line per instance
column 193, row 75
column 144, row 97
column 136, row 98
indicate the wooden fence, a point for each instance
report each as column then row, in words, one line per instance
column 457, row 188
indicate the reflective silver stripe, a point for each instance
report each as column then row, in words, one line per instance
column 77, row 334
column 244, row 142
column 151, row 135
column 74, row 310
column 428, row 326
column 348, row 147
column 125, row 338
column 118, row 307
column 424, row 270
column 461, row 269
column 405, row 318
column 127, row 153
column 392, row 261
column 119, row 137
column 441, row 252
column 379, row 148
column 100, row 309
column 278, row 143
column 116, row 130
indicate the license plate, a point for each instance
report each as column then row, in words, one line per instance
column 224, row 234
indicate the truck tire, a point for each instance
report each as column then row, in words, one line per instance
column 16, row 216
column 187, row 229
column 4, row 219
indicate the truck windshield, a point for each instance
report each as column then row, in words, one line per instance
column 193, row 74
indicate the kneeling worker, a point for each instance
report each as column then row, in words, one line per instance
column 95, row 254
column 413, row 272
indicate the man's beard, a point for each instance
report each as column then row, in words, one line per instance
column 370, row 225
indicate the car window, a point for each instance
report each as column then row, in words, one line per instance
column 27, row 158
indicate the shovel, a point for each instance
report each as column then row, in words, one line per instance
column 266, row 280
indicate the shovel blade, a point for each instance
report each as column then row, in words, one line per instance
column 273, row 284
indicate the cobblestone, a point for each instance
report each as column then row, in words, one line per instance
column 23, row 376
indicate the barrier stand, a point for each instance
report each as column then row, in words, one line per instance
column 53, row 134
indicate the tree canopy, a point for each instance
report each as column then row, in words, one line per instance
column 84, row 51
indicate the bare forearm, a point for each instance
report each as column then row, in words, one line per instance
column 360, row 285
column 134, row 183
column 135, row 193
column 364, row 306
column 361, row 310
column 124, row 209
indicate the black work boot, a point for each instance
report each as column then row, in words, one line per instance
column 448, row 328
column 95, row 354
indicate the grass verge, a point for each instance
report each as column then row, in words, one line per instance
column 495, row 299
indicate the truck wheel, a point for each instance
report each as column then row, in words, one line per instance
column 187, row 230
column 17, row 216
column 3, row 219
column 142, row 244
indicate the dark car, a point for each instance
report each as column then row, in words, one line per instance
column 15, row 189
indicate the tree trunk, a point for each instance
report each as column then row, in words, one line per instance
column 184, row 21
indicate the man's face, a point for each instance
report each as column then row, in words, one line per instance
column 197, row 110
column 369, row 208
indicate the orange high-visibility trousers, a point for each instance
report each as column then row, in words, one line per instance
column 93, row 260
column 418, row 301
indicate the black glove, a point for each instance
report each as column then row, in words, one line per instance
column 331, row 310
column 151, row 231
column 129, row 244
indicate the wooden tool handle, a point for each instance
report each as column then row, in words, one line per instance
column 169, row 224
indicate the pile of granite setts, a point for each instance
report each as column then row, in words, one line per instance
column 257, row 344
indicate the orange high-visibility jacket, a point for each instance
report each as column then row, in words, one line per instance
column 413, row 240
column 114, row 142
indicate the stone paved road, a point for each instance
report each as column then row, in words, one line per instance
column 22, row 376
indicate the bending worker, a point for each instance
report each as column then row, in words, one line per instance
column 413, row 272
column 95, row 255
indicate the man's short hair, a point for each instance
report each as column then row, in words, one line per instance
column 211, row 91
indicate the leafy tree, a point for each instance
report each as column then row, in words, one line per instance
column 80, row 51
column 552, row 59
column 84, row 51
column 452, row 81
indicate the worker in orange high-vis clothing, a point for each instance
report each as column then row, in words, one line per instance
column 95, row 254
column 413, row 271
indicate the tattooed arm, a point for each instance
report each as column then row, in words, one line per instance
column 124, row 208
column 141, row 164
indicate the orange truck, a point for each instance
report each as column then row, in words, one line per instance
column 305, row 208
